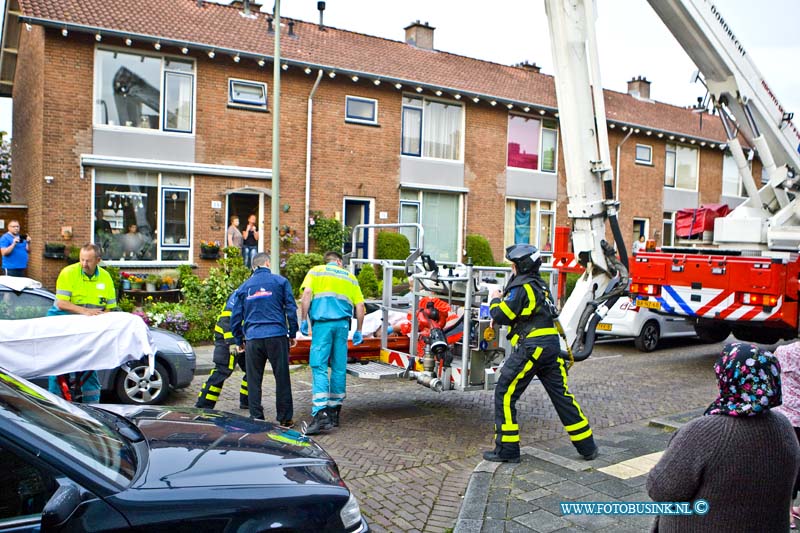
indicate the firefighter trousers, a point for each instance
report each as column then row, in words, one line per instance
column 225, row 362
column 539, row 357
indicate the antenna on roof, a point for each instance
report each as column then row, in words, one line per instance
column 321, row 7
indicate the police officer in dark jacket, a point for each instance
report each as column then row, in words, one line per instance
column 527, row 308
column 225, row 361
column 265, row 316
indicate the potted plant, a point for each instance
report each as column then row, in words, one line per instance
column 126, row 281
column 54, row 250
column 136, row 282
column 73, row 254
column 209, row 250
column 152, row 282
column 167, row 283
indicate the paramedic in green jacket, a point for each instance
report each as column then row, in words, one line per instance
column 525, row 306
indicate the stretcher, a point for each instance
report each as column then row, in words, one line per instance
column 56, row 345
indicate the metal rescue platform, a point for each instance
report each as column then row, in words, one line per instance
column 444, row 302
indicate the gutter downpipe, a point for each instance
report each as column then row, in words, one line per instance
column 619, row 149
column 309, row 122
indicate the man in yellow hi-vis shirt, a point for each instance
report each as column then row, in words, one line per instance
column 526, row 307
column 87, row 289
column 330, row 294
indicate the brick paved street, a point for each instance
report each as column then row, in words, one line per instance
column 408, row 452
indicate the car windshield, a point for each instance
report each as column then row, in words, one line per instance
column 86, row 439
column 22, row 305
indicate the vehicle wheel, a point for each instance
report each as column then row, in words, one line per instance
column 132, row 387
column 712, row 333
column 648, row 338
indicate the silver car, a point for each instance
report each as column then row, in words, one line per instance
column 175, row 357
column 646, row 327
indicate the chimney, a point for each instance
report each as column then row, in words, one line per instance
column 420, row 35
column 246, row 6
column 639, row 87
column 321, row 8
column 530, row 67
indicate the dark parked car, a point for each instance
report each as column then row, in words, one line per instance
column 77, row 467
column 22, row 298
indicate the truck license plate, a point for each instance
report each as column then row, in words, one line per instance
column 650, row 304
column 604, row 327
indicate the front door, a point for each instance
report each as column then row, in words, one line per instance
column 357, row 212
column 243, row 205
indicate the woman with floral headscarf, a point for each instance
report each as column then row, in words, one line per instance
column 789, row 358
column 736, row 456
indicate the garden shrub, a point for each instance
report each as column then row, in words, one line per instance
column 479, row 250
column 392, row 245
column 298, row 266
column 368, row 282
column 328, row 233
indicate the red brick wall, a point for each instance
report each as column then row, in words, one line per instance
column 484, row 173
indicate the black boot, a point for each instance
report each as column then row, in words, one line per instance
column 334, row 411
column 321, row 422
column 500, row 455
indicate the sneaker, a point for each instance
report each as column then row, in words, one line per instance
column 497, row 458
column 321, row 422
column 244, row 406
column 287, row 423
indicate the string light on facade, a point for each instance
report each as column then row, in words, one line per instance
column 376, row 82
column 236, row 58
column 65, row 32
column 157, row 45
column 526, row 109
column 211, row 54
column 261, row 62
column 128, row 42
column 184, row 50
column 307, row 70
column 354, row 78
column 98, row 37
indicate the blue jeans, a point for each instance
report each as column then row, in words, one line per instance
column 248, row 253
column 328, row 348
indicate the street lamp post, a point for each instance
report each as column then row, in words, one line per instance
column 276, row 144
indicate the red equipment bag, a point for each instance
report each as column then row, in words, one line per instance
column 693, row 222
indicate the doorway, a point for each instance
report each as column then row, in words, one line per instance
column 357, row 211
column 243, row 204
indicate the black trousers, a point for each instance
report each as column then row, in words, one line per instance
column 537, row 357
column 276, row 350
column 224, row 363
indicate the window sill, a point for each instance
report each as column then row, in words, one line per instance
column 359, row 123
column 644, row 163
column 141, row 131
column 245, row 107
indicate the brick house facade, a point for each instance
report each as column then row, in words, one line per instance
column 181, row 186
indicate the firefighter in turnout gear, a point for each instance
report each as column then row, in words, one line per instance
column 226, row 357
column 526, row 307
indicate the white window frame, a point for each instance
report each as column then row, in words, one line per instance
column 357, row 120
column 649, row 160
column 162, row 95
column 741, row 191
column 671, row 222
column 419, row 201
column 421, row 109
column 508, row 240
column 675, row 169
column 540, row 148
column 232, row 102
column 190, row 224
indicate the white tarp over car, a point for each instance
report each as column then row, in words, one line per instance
column 56, row 345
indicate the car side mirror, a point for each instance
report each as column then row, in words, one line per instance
column 60, row 506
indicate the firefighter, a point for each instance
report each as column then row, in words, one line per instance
column 226, row 357
column 526, row 307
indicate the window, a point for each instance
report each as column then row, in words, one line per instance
column 409, row 214
column 528, row 139
column 644, row 154
column 431, row 128
column 361, row 110
column 668, row 228
column 439, row 213
column 142, row 91
column 530, row 221
column 248, row 94
column 681, row 167
column 142, row 216
column 731, row 181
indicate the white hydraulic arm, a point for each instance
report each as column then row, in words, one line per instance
column 582, row 121
column 747, row 105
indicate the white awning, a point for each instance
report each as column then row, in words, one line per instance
column 177, row 167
